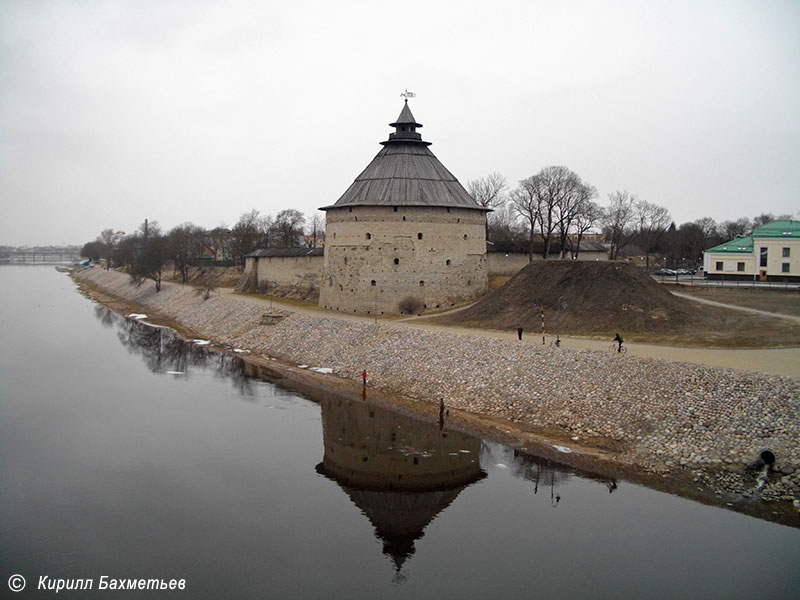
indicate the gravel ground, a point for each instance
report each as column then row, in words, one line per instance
column 665, row 415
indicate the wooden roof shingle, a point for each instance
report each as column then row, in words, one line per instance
column 406, row 173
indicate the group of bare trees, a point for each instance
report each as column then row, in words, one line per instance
column 646, row 228
column 551, row 211
column 554, row 205
column 628, row 219
column 146, row 251
column 287, row 229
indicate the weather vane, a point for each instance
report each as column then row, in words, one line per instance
column 408, row 95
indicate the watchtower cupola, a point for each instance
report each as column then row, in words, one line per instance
column 405, row 128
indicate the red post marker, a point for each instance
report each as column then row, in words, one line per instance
column 364, row 376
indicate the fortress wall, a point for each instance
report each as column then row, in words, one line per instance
column 506, row 264
column 289, row 270
column 510, row 263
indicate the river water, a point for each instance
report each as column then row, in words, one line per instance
column 130, row 453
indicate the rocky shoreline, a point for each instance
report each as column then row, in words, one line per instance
column 700, row 424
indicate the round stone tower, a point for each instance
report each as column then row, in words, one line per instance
column 405, row 229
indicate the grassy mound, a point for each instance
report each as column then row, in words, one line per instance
column 602, row 298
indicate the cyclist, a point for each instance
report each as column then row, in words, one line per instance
column 618, row 339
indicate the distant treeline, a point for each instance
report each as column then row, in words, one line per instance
column 147, row 250
column 555, row 209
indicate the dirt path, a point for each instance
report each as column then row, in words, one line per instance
column 734, row 307
column 780, row 361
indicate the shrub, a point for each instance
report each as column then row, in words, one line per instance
column 207, row 283
column 410, row 305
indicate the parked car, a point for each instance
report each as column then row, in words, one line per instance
column 682, row 272
column 664, row 272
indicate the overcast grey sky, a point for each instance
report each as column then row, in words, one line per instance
column 116, row 111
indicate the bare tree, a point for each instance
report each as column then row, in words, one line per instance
column 652, row 222
column 710, row 230
column 730, row 229
column 315, row 231
column 207, row 283
column 504, row 232
column 525, row 203
column 107, row 239
column 149, row 256
column 765, row 218
column 586, row 217
column 125, row 251
column 617, row 221
column 489, row 192
column 576, row 195
column 247, row 235
column 94, row 251
column 288, row 228
column 553, row 190
column 184, row 244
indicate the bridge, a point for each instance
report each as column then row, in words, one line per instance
column 27, row 257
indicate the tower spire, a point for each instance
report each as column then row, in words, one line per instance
column 405, row 127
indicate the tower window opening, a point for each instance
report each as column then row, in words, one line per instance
column 447, row 262
column 369, row 236
column 421, row 284
column 404, row 218
column 419, row 236
column 395, row 209
column 397, row 261
column 465, row 236
column 372, row 283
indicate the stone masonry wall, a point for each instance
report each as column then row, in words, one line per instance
column 379, row 255
column 288, row 270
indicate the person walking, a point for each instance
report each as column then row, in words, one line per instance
column 519, row 332
column 364, row 376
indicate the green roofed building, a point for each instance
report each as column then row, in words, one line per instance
column 771, row 253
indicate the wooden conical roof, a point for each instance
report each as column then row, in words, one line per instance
column 406, row 173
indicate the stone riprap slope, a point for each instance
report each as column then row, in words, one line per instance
column 665, row 413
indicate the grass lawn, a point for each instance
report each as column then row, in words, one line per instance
column 786, row 302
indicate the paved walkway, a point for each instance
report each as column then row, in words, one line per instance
column 782, row 361
column 734, row 307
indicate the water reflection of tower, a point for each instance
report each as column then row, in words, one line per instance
column 399, row 471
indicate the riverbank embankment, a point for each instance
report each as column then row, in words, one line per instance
column 705, row 422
